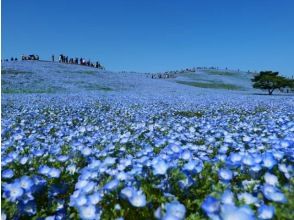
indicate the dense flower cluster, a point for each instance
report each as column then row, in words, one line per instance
column 126, row 156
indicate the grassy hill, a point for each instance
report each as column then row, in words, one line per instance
column 47, row 77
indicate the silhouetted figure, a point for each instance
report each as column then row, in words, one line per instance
column 52, row 58
column 11, row 59
column 77, row 61
column 15, row 59
column 81, row 61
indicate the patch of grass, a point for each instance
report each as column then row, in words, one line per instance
column 89, row 72
column 220, row 72
column 94, row 86
column 30, row 91
column 189, row 114
column 14, row 72
column 216, row 85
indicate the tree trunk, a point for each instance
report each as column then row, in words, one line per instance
column 270, row 92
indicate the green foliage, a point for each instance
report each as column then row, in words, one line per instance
column 189, row 114
column 270, row 81
column 220, row 73
column 14, row 72
column 215, row 85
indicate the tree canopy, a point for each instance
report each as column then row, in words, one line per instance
column 270, row 81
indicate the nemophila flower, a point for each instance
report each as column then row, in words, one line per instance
column 86, row 151
column 160, row 167
column 278, row 155
column 39, row 153
column 71, row 168
column 81, row 184
column 95, row 198
column 186, row 182
column 230, row 212
column 26, row 183
column 44, row 170
column 228, row 197
column 248, row 160
column 210, row 205
column 175, row 209
column 266, row 212
column 268, row 160
column 127, row 192
column 7, row 174
column 186, row 155
column 235, row 158
column 138, row 199
column 54, row 173
column 271, row 179
column 193, row 166
column 13, row 191
column 29, row 208
column 23, row 160
column 225, row 174
column 89, row 187
column 174, row 148
column 122, row 176
column 247, row 198
column 272, row 193
column 62, row 158
column 113, row 184
column 246, row 139
column 108, row 161
column 3, row 216
column 88, row 212
column 80, row 200
column 255, row 168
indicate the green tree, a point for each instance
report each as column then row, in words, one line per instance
column 270, row 81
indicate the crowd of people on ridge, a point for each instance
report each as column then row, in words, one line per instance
column 82, row 61
column 61, row 59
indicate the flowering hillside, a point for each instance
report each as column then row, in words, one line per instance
column 81, row 143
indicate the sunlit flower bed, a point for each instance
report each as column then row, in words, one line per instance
column 115, row 159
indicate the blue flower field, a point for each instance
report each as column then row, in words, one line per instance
column 81, row 143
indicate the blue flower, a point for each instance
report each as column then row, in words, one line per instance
column 175, row 209
column 247, row 198
column 271, row 179
column 228, row 197
column 113, row 184
column 268, row 160
column 266, row 212
column 210, row 205
column 273, row 194
column 88, row 212
column 7, row 174
column 127, row 192
column 138, row 199
column 230, row 212
column 160, row 168
column 26, row 183
column 54, row 173
column 13, row 191
column 225, row 174
column 29, row 208
column 95, row 198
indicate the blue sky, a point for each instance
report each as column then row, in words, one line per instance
column 155, row 35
